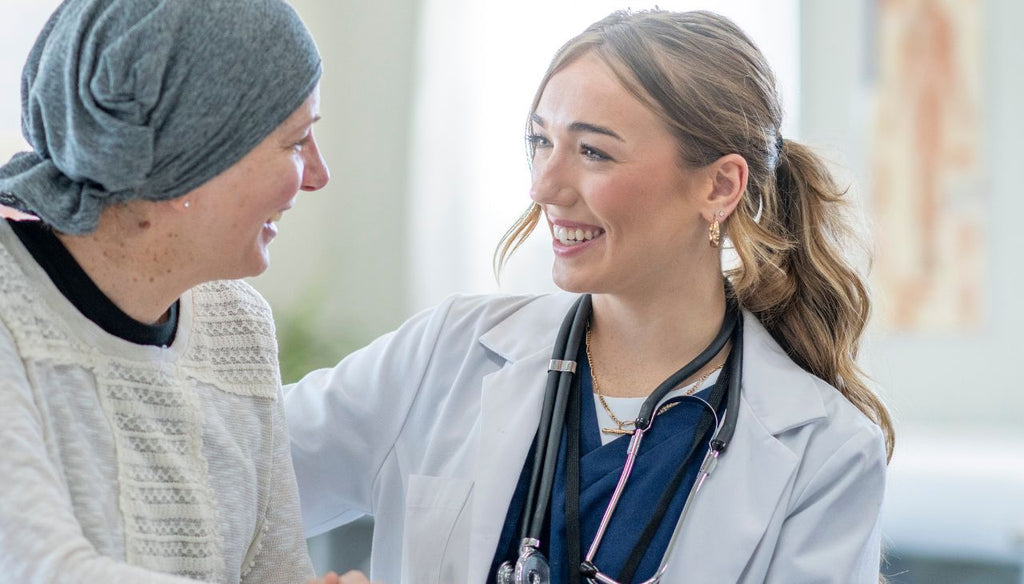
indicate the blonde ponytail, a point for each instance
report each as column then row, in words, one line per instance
column 795, row 276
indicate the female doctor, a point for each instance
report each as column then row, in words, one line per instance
column 663, row 418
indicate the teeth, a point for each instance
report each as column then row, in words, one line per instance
column 569, row 236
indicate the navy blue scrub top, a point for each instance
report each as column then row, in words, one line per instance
column 662, row 451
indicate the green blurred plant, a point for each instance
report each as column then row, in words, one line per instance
column 303, row 343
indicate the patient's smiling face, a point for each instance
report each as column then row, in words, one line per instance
column 237, row 210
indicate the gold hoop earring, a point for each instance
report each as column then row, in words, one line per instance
column 715, row 231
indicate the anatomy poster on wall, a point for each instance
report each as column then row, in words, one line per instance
column 928, row 196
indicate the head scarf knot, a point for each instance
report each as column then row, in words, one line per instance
column 149, row 99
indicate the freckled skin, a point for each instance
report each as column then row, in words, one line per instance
column 145, row 254
column 232, row 212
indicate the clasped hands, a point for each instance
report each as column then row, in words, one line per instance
column 352, row 577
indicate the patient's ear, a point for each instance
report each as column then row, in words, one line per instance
column 181, row 204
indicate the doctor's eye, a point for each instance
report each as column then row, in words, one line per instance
column 537, row 141
column 592, row 153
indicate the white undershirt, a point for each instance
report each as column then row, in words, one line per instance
column 627, row 408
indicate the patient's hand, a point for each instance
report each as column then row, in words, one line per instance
column 352, row 577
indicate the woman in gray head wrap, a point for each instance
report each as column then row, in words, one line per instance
column 141, row 431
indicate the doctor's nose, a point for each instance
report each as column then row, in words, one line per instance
column 551, row 184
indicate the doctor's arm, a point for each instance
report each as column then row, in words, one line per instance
column 344, row 421
column 832, row 532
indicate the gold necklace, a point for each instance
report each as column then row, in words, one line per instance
column 622, row 425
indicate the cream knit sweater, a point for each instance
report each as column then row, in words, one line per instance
column 128, row 463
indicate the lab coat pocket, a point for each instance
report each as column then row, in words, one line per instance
column 436, row 539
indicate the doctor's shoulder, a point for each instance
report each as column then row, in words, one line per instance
column 801, row 409
column 463, row 333
column 844, row 422
column 830, row 436
column 472, row 316
column 832, row 420
column 840, row 450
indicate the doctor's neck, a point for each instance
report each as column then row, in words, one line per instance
column 668, row 321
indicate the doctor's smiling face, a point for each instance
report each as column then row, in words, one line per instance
column 624, row 213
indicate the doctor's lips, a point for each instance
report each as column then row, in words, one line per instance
column 574, row 235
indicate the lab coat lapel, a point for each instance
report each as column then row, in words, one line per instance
column 732, row 512
column 511, row 401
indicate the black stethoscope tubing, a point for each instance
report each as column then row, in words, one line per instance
column 729, row 323
column 720, row 438
column 549, row 431
column 720, row 441
column 556, row 397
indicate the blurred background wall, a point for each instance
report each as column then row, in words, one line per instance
column 914, row 101
column 935, row 85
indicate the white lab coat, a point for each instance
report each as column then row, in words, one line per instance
column 427, row 429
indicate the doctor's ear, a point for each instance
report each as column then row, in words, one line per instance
column 728, row 183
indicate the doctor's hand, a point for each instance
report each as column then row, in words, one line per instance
column 352, row 577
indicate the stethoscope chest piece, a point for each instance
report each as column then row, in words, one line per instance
column 530, row 568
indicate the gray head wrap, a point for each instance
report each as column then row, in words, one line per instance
column 149, row 99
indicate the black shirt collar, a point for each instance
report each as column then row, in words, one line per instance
column 82, row 292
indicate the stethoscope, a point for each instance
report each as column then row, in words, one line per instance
column 531, row 567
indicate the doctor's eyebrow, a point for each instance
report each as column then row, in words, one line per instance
column 582, row 128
